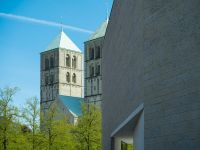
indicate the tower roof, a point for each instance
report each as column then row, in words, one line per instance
column 100, row 32
column 63, row 41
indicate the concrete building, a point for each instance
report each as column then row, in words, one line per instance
column 61, row 74
column 151, row 75
column 93, row 66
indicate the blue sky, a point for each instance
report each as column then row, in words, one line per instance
column 22, row 41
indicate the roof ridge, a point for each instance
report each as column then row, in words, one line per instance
column 60, row 37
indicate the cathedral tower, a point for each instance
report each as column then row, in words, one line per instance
column 61, row 71
column 93, row 66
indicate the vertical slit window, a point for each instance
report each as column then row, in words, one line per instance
column 46, row 64
column 74, row 62
column 67, row 60
column 91, row 53
column 46, row 79
column 68, row 77
column 91, row 71
column 98, row 86
column 51, row 62
column 74, row 78
column 97, row 52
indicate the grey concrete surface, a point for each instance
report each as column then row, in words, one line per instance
column 151, row 55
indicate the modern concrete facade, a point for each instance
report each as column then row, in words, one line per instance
column 93, row 66
column 61, row 71
column 151, row 75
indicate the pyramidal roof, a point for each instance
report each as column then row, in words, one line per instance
column 63, row 41
column 100, row 32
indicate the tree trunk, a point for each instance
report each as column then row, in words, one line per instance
column 5, row 140
column 88, row 145
column 33, row 135
column 49, row 140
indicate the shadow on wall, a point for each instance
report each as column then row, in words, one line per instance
column 130, row 132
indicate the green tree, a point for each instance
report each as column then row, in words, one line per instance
column 47, row 125
column 7, row 114
column 88, row 130
column 57, row 130
column 64, row 139
column 18, row 138
column 31, row 114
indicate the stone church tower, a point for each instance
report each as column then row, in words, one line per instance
column 61, row 71
column 93, row 66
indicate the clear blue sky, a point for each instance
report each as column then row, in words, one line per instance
column 22, row 41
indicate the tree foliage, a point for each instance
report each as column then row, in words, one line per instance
column 88, row 130
column 31, row 114
column 56, row 129
column 31, row 129
column 7, row 115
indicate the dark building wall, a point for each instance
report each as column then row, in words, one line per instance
column 93, row 83
column 151, row 55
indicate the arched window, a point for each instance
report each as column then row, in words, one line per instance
column 46, row 64
column 74, row 62
column 74, row 78
column 67, row 60
column 51, row 62
column 68, row 77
